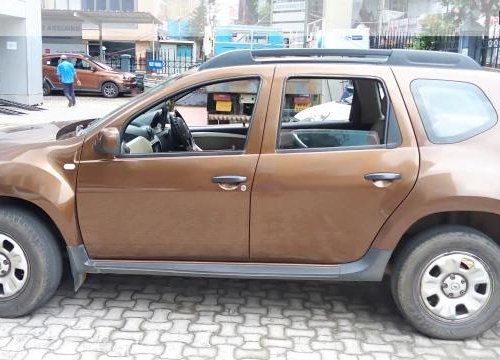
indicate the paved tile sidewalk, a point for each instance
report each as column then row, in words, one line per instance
column 118, row 317
column 87, row 107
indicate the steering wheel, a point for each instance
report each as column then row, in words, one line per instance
column 181, row 133
column 300, row 144
column 158, row 119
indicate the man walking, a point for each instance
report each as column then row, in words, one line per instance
column 67, row 76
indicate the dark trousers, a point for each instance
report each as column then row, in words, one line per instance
column 69, row 92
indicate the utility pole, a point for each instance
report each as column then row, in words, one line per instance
column 306, row 21
column 101, row 47
column 381, row 17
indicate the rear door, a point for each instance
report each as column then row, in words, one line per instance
column 50, row 71
column 330, row 173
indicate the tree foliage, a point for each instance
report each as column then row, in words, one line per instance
column 460, row 12
column 198, row 20
column 256, row 12
column 437, row 28
column 264, row 12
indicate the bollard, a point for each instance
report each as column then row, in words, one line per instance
column 125, row 62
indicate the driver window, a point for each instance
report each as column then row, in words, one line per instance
column 215, row 118
column 82, row 65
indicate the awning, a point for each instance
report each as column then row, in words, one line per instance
column 100, row 17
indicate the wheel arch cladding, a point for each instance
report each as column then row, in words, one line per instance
column 46, row 191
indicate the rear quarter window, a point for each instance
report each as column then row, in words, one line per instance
column 452, row 111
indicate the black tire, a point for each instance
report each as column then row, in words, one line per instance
column 43, row 256
column 110, row 90
column 414, row 258
column 47, row 89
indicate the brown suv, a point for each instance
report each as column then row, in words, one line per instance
column 94, row 76
column 296, row 164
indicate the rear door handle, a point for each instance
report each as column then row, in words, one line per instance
column 383, row 176
column 233, row 180
column 230, row 183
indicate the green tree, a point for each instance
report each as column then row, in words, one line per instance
column 255, row 12
column 462, row 11
column 264, row 12
column 198, row 20
column 437, row 27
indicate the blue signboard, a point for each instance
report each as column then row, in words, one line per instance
column 238, row 37
column 155, row 64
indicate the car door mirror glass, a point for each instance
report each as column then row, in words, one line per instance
column 107, row 142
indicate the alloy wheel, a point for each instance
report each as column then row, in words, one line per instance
column 110, row 90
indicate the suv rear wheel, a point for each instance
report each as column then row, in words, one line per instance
column 47, row 89
column 30, row 262
column 446, row 282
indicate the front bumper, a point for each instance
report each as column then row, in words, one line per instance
column 128, row 86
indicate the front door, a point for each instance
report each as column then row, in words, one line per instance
column 86, row 74
column 160, row 201
column 335, row 164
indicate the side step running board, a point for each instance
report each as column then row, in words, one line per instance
column 370, row 267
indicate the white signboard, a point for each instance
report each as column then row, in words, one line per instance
column 288, row 6
column 344, row 39
column 61, row 28
column 11, row 45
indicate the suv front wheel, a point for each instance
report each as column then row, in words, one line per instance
column 110, row 90
column 446, row 282
column 30, row 262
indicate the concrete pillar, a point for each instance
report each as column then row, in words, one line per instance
column 21, row 51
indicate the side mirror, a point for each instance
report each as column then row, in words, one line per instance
column 93, row 69
column 107, row 142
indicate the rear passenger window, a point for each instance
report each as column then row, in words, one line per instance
column 321, row 113
column 452, row 111
column 54, row 61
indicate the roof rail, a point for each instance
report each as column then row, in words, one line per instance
column 419, row 58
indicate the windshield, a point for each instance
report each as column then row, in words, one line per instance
column 103, row 65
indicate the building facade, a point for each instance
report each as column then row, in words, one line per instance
column 118, row 38
column 379, row 16
column 294, row 16
column 383, row 16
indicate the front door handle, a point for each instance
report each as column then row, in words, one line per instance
column 383, row 176
column 233, row 180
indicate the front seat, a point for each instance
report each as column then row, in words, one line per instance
column 140, row 145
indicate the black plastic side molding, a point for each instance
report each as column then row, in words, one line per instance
column 370, row 267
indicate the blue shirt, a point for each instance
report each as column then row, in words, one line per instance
column 66, row 72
